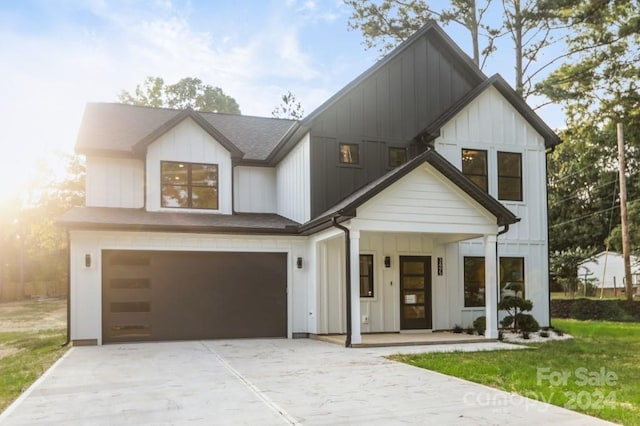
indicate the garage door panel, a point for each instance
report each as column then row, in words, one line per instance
column 194, row 295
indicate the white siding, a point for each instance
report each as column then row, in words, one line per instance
column 294, row 183
column 114, row 182
column 188, row 142
column 491, row 123
column 86, row 286
column 254, row 189
column 425, row 201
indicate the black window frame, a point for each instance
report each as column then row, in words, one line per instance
column 189, row 185
column 369, row 276
column 399, row 149
column 505, row 279
column 358, row 153
column 504, row 177
column 473, row 176
column 479, row 281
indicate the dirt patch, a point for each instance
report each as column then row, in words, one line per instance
column 33, row 315
column 8, row 351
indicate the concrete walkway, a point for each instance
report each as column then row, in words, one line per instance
column 265, row 382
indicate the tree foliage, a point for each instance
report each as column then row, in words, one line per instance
column 530, row 25
column 188, row 92
column 289, row 107
column 564, row 266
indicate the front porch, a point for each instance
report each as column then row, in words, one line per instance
column 377, row 340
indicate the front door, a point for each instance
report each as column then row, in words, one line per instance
column 415, row 292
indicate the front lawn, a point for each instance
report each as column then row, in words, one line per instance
column 597, row 372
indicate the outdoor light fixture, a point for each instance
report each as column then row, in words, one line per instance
column 299, row 263
column 87, row 260
column 387, row 261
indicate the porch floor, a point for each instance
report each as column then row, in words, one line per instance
column 376, row 340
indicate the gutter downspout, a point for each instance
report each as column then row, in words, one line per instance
column 546, row 175
column 503, row 231
column 347, row 247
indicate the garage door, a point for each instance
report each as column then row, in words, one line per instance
column 152, row 295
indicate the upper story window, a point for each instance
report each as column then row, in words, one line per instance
column 397, row 156
column 510, row 176
column 189, row 185
column 474, row 166
column 349, row 153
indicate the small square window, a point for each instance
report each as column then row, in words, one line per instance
column 397, row 156
column 349, row 153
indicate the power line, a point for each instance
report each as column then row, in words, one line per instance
column 590, row 214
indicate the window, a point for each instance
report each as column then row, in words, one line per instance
column 189, row 185
column 366, row 275
column 473, row 282
column 397, row 156
column 474, row 166
column 349, row 153
column 510, row 176
column 511, row 277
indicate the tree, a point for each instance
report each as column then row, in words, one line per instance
column 530, row 24
column 290, row 107
column 188, row 92
column 564, row 266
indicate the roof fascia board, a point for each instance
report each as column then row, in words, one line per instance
column 550, row 137
column 142, row 145
column 430, row 28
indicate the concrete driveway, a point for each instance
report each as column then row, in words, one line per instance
column 263, row 382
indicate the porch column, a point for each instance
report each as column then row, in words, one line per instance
column 491, row 286
column 356, row 338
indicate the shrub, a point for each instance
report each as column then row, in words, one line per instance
column 527, row 323
column 480, row 324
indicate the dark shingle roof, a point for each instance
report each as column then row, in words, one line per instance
column 140, row 219
column 117, row 128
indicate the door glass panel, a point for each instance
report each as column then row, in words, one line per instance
column 413, row 282
column 414, row 267
column 413, row 312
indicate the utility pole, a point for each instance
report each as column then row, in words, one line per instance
column 623, row 215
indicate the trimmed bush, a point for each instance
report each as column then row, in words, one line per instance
column 598, row 310
column 480, row 324
column 527, row 323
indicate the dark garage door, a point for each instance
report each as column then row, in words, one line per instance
column 153, row 295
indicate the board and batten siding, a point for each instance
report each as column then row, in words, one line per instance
column 188, row 142
column 86, row 282
column 254, row 189
column 386, row 109
column 114, row 182
column 293, row 181
column 491, row 123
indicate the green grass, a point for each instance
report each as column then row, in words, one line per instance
column 598, row 347
column 36, row 352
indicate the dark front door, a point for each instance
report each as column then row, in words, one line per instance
column 415, row 292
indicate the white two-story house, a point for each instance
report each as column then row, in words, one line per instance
column 405, row 202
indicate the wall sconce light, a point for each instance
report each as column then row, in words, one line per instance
column 299, row 263
column 87, row 260
column 387, row 261
column 440, row 266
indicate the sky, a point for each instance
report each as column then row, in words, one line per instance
column 57, row 55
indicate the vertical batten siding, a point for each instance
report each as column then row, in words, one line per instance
column 255, row 189
column 491, row 123
column 387, row 108
column 293, row 182
column 86, row 283
column 188, row 142
column 114, row 182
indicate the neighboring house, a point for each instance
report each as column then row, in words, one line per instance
column 422, row 178
column 606, row 270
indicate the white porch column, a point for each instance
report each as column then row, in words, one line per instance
column 491, row 286
column 356, row 337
